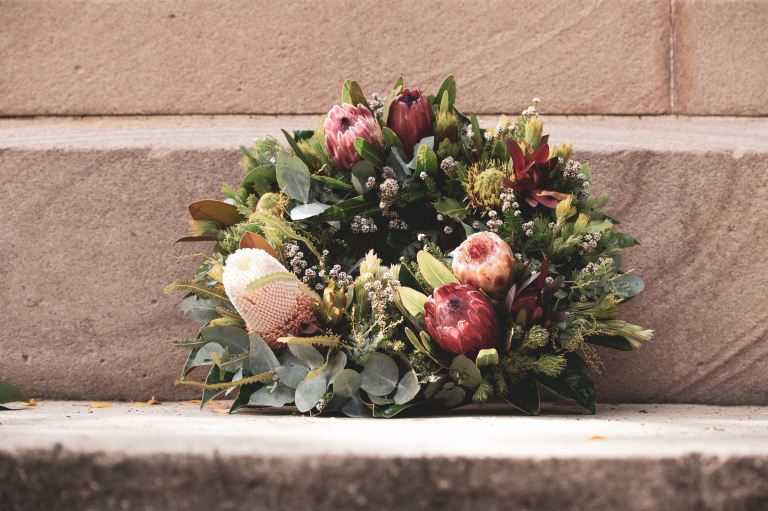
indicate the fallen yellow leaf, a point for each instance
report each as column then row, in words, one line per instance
column 31, row 402
column 221, row 410
column 597, row 437
column 99, row 404
column 193, row 401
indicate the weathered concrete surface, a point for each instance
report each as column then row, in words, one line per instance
column 94, row 206
column 720, row 64
column 241, row 56
column 66, row 456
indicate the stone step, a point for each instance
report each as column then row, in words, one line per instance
column 198, row 57
column 65, row 455
column 91, row 207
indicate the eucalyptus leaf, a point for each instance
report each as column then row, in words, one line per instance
column 291, row 376
column 381, row 401
column 465, row 372
column 233, row 338
column 244, row 395
column 359, row 175
column 354, row 407
column 408, row 388
column 293, row 176
column 275, row 394
column 380, row 375
column 309, row 392
column 629, row 285
column 308, row 354
column 347, row 383
column 336, row 364
column 200, row 310
column 260, row 356
column 203, row 355
column 304, row 211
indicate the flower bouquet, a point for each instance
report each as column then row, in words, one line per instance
column 402, row 257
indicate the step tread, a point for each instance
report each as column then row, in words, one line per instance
column 589, row 133
column 617, row 431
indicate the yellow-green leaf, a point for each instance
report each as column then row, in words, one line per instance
column 189, row 286
column 331, row 341
column 281, row 227
column 412, row 300
column 435, row 273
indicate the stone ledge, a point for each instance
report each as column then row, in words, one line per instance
column 737, row 135
column 174, row 456
column 115, row 189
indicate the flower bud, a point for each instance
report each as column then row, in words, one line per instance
column 461, row 319
column 344, row 124
column 533, row 130
column 484, row 261
column 410, row 117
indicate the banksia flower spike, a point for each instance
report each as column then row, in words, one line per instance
column 410, row 117
column 461, row 319
column 484, row 261
column 344, row 124
column 277, row 309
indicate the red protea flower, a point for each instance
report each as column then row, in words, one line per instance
column 527, row 298
column 461, row 319
column 484, row 261
column 531, row 173
column 342, row 126
column 410, row 116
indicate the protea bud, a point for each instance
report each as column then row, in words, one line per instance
column 343, row 125
column 461, row 319
column 410, row 117
column 485, row 262
column 333, row 303
column 533, row 130
column 279, row 308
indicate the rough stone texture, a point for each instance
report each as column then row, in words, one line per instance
column 65, row 456
column 720, row 65
column 87, row 248
column 240, row 56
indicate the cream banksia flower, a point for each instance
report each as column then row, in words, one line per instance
column 279, row 308
column 484, row 261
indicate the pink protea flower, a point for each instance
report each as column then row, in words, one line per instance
column 410, row 116
column 342, row 126
column 484, row 261
column 277, row 309
column 461, row 319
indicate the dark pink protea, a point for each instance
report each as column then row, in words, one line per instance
column 461, row 319
column 410, row 116
column 343, row 125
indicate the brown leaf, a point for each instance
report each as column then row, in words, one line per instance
column 208, row 209
column 253, row 240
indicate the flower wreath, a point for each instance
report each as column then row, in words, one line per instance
column 404, row 257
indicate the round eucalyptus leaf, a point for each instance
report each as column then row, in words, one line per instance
column 308, row 354
column 465, row 372
column 382, row 401
column 304, row 211
column 275, row 394
column 346, row 383
column 337, row 363
column 380, row 375
column 355, row 408
column 309, row 392
column 407, row 388
column 204, row 355
column 260, row 356
column 291, row 376
column 451, row 397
